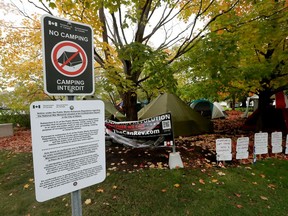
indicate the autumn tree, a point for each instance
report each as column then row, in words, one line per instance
column 137, row 41
column 21, row 59
column 250, row 55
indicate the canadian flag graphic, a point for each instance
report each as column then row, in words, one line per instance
column 281, row 100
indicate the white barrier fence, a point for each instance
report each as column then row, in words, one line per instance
column 261, row 144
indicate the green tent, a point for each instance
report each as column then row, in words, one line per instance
column 186, row 121
column 110, row 109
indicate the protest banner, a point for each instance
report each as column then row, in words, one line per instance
column 155, row 131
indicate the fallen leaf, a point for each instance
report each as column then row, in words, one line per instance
column 262, row 175
column 263, row 198
column 238, row 195
column 152, row 166
column 176, row 185
column 87, row 201
column 207, row 165
column 214, row 180
column 100, row 190
column 164, row 190
column 114, row 187
column 239, row 206
column 26, row 186
column 272, row 186
column 221, row 174
column 201, row 181
column 255, row 183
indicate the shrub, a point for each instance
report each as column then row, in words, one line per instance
column 19, row 119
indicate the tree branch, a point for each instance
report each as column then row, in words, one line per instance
column 143, row 21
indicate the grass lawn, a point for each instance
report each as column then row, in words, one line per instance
column 258, row 189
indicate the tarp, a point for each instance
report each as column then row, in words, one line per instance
column 110, row 111
column 185, row 120
column 274, row 120
column 281, row 100
column 208, row 109
column 254, row 99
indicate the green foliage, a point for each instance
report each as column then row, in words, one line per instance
column 15, row 117
column 249, row 57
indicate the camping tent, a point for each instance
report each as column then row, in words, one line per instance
column 110, row 111
column 274, row 120
column 218, row 111
column 186, row 121
column 66, row 56
column 208, row 109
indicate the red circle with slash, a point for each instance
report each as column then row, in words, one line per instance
column 69, row 58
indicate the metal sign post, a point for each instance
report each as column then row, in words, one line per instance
column 76, row 203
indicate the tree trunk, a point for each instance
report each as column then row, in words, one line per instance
column 130, row 105
column 263, row 107
column 233, row 102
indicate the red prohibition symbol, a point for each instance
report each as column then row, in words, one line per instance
column 69, row 58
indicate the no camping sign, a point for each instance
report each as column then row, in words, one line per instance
column 67, row 57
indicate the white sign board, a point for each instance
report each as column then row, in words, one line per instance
column 276, row 141
column 261, row 143
column 223, row 149
column 242, row 148
column 68, row 143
